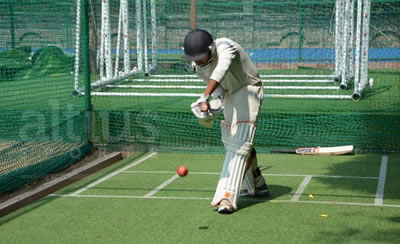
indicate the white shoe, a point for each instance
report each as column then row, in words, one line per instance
column 225, row 207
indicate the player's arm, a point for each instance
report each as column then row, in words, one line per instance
column 203, row 101
column 227, row 51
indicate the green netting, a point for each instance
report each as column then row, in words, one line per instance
column 282, row 38
column 43, row 128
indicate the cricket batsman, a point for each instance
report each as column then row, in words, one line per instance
column 234, row 87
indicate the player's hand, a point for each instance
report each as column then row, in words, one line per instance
column 201, row 108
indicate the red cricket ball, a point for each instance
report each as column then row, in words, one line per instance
column 182, row 170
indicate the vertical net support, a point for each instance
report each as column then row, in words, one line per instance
column 105, row 46
column 365, row 44
column 339, row 20
column 346, row 46
column 107, row 39
column 248, row 28
column 146, row 63
column 350, row 58
column 117, row 51
column 153, row 35
column 362, row 39
column 125, row 27
column 77, row 46
column 139, row 34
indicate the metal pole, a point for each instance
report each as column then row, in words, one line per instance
column 107, row 38
column 154, row 34
column 357, row 89
column 364, row 43
column 339, row 19
column 193, row 14
column 301, row 37
column 139, row 35
column 103, row 13
column 85, row 53
column 146, row 63
column 125, row 27
column 344, row 70
column 117, row 49
column 77, row 45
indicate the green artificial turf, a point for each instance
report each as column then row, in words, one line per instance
column 115, row 211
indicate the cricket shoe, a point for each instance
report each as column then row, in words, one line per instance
column 225, row 207
column 261, row 191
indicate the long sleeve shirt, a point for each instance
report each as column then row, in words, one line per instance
column 229, row 65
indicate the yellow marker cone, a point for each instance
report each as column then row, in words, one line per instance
column 310, row 196
column 324, row 216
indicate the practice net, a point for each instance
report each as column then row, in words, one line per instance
column 43, row 128
column 300, row 49
column 313, row 57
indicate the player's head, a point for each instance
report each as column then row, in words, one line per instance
column 197, row 45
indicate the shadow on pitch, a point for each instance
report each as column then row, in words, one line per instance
column 275, row 192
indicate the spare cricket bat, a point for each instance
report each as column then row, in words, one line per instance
column 349, row 149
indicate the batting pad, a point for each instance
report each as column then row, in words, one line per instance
column 248, row 181
column 238, row 141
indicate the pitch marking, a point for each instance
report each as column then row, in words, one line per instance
column 160, row 187
column 209, row 199
column 301, row 188
column 218, row 173
column 136, row 162
column 381, row 182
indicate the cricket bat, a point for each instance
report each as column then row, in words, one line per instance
column 340, row 150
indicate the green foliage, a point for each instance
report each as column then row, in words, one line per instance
column 12, row 62
column 50, row 61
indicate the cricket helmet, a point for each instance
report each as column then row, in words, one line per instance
column 197, row 44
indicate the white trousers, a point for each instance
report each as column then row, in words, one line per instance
column 241, row 111
column 243, row 105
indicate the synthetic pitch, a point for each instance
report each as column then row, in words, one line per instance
column 351, row 199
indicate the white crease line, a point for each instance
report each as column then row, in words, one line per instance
column 285, row 175
column 168, row 172
column 130, row 197
column 160, row 187
column 136, row 162
column 301, row 188
column 381, row 182
column 240, row 199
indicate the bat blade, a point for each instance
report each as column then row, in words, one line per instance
column 339, row 150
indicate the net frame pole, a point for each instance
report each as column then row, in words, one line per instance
column 193, row 14
column 144, row 11
column 139, row 38
column 117, row 50
column 125, row 28
column 77, row 45
column 344, row 62
column 101, row 69
column 339, row 18
column 350, row 59
column 365, row 43
column 86, row 58
column 154, row 35
column 107, row 38
column 362, row 46
column 357, row 89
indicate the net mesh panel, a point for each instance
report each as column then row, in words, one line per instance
column 281, row 37
column 43, row 128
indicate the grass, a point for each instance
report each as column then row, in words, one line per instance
column 181, row 212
